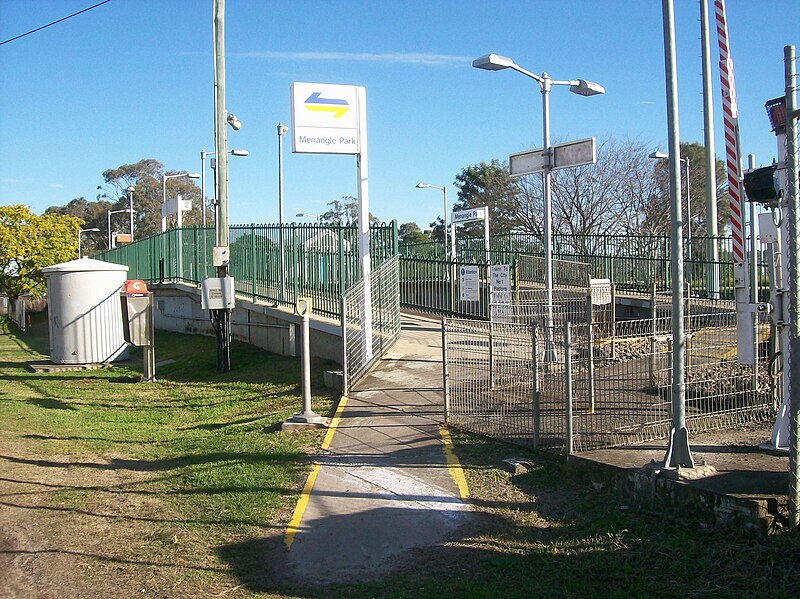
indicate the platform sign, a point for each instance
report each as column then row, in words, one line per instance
column 468, row 284
column 501, row 277
column 325, row 119
column 572, row 153
column 466, row 216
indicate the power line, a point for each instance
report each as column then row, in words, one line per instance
column 55, row 22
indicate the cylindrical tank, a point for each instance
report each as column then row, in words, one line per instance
column 84, row 311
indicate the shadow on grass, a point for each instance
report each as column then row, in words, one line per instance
column 216, row 458
column 50, row 404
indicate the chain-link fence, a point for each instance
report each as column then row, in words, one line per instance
column 361, row 349
column 576, row 385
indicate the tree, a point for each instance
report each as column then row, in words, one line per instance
column 28, row 243
column 343, row 212
column 695, row 153
column 410, row 233
column 93, row 215
column 487, row 185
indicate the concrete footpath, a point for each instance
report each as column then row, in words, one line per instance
column 388, row 481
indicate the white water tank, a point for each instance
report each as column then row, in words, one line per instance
column 84, row 311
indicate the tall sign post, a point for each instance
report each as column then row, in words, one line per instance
column 332, row 119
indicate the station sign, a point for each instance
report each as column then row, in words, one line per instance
column 500, row 277
column 325, row 119
column 571, row 153
column 466, row 216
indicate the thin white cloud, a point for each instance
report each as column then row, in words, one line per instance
column 56, row 186
column 12, row 181
column 410, row 58
column 646, row 102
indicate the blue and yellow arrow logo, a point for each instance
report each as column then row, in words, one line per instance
column 337, row 106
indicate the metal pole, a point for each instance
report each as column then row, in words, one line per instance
column 678, row 452
column 548, row 217
column 130, row 208
column 445, row 382
column 712, row 231
column 79, row 245
column 221, row 175
column 590, row 347
column 688, row 209
column 108, row 217
column 203, row 185
column 793, row 200
column 281, row 130
column 163, row 202
column 444, row 218
column 568, row 387
column 535, row 376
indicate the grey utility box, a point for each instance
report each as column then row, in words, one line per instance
column 137, row 314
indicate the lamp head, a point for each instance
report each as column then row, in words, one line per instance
column 422, row 185
column 493, row 62
column 240, row 152
column 130, row 189
column 658, row 154
column 282, row 128
column 587, row 88
column 193, row 175
column 235, row 123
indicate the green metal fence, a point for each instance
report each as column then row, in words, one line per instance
column 632, row 262
column 317, row 261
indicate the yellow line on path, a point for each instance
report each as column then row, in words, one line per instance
column 337, row 416
column 453, row 465
column 305, row 495
column 294, row 523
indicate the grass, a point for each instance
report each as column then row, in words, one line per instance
column 195, row 469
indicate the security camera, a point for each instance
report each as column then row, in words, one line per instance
column 235, row 123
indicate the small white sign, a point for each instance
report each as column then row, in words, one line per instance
column 501, row 277
column 173, row 205
column 465, row 216
column 468, row 284
column 325, row 119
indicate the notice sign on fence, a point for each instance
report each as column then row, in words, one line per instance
column 468, row 284
column 501, row 277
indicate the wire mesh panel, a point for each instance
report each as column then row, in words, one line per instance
column 620, row 384
column 491, row 378
column 362, row 350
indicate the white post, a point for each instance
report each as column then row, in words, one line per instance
column 281, row 130
column 363, row 219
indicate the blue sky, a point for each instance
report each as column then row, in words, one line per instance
column 133, row 79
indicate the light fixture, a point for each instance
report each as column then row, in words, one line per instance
column 235, row 123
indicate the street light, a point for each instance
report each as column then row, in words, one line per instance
column 164, row 178
column 282, row 129
column 663, row 156
column 444, row 209
column 94, row 229
column 108, row 215
column 203, row 156
column 130, row 191
column 495, row 62
column 307, row 215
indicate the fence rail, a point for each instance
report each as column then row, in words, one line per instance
column 269, row 263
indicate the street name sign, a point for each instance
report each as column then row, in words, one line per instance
column 325, row 119
column 466, row 216
column 572, row 153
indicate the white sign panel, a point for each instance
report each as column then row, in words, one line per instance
column 325, row 119
column 465, row 216
column 575, row 153
column 501, row 277
column 468, row 284
column 572, row 153
column 526, row 163
column 173, row 205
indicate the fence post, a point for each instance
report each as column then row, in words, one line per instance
column 535, row 374
column 445, row 377
column 653, row 337
column 568, row 387
column 613, row 320
column 590, row 342
column 253, row 261
column 343, row 320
